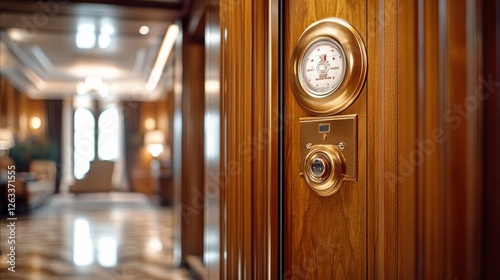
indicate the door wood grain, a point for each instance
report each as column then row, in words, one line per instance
column 325, row 238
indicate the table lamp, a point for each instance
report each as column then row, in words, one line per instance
column 154, row 141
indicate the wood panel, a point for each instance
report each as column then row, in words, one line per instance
column 7, row 104
column 409, row 215
column 423, row 161
column 432, row 197
column 160, row 111
column 383, row 90
column 248, row 183
column 447, row 158
column 148, row 110
column 325, row 238
column 193, row 175
column 457, row 186
column 491, row 134
column 17, row 109
column 407, row 193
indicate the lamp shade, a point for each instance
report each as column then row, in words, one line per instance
column 154, row 141
column 6, row 139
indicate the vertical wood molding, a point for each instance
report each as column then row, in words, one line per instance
column 193, row 109
column 475, row 140
column 407, row 219
column 448, row 140
column 247, row 96
column 273, row 128
column 383, row 88
column 434, row 234
column 490, row 29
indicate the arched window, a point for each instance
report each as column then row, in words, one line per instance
column 108, row 134
column 84, row 141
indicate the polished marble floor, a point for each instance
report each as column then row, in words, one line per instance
column 92, row 236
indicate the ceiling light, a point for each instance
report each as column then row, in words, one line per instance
column 107, row 29
column 93, row 82
column 161, row 59
column 85, row 37
column 105, row 36
column 81, row 89
column 144, row 30
column 103, row 90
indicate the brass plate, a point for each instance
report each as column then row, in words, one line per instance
column 338, row 99
column 342, row 129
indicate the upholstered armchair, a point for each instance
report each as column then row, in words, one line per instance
column 98, row 179
column 34, row 188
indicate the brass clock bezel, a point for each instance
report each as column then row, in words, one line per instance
column 341, row 32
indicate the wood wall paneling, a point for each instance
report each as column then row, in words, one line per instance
column 9, row 107
column 448, row 173
column 383, row 90
column 413, row 212
column 17, row 109
column 160, row 111
column 274, row 183
column 193, row 105
column 456, row 69
column 247, row 97
column 434, row 234
column 407, row 192
column 490, row 28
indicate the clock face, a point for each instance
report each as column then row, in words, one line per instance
column 323, row 67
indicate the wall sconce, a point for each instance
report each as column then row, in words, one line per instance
column 150, row 124
column 154, row 141
column 35, row 122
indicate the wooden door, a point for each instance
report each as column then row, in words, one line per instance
column 325, row 238
column 408, row 215
column 415, row 211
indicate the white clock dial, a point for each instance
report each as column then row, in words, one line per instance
column 323, row 67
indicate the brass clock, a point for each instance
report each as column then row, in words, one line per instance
column 328, row 66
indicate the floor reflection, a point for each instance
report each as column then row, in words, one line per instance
column 95, row 236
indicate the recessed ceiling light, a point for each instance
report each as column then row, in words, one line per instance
column 85, row 37
column 144, row 30
column 105, row 36
column 81, row 88
column 107, row 29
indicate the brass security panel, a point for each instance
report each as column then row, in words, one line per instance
column 328, row 152
column 328, row 66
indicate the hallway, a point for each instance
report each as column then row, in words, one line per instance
column 95, row 236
